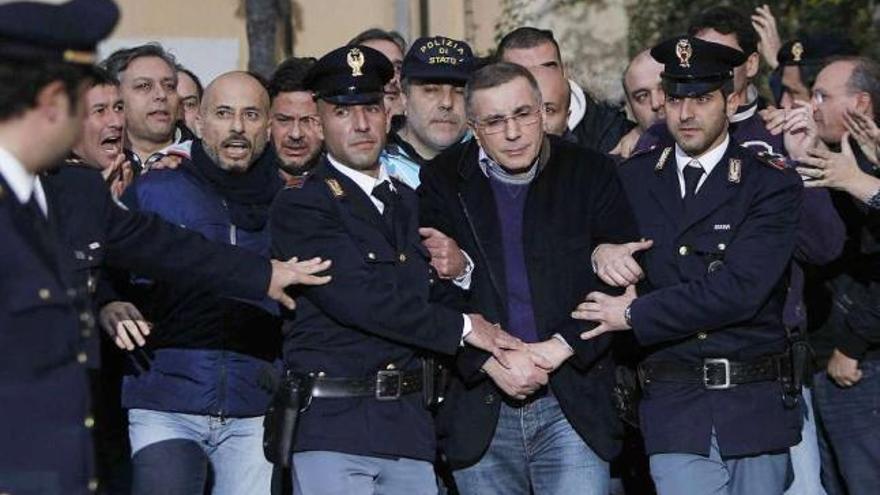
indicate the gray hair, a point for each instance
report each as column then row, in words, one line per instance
column 119, row 60
column 494, row 75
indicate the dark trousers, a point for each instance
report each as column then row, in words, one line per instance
column 850, row 418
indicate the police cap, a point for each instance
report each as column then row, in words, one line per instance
column 438, row 59
column 692, row 67
column 812, row 50
column 55, row 30
column 350, row 75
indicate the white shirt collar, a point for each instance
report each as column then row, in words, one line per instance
column 364, row 181
column 19, row 179
column 707, row 160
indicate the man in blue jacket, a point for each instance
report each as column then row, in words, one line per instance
column 202, row 384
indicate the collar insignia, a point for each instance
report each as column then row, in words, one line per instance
column 335, row 188
column 734, row 170
column 663, row 157
column 797, row 51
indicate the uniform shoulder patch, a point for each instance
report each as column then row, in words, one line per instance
column 335, row 188
column 774, row 160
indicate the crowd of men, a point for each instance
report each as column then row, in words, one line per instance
column 406, row 269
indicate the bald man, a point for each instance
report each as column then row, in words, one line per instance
column 644, row 94
column 198, row 407
column 555, row 100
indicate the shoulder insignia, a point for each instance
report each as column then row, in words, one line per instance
column 772, row 159
column 734, row 170
column 643, row 151
column 335, row 188
column 664, row 156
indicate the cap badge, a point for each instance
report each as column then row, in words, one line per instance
column 734, row 170
column 684, row 52
column 797, row 51
column 355, row 60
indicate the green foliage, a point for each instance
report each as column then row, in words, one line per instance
column 654, row 20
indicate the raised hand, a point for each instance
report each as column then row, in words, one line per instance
column 446, row 257
column 608, row 311
column 769, row 44
column 866, row 133
column 293, row 271
column 615, row 264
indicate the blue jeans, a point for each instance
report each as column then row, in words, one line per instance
column 535, row 450
column 805, row 461
column 175, row 453
column 851, row 420
column 694, row 474
column 336, row 473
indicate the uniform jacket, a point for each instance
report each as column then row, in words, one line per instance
column 574, row 203
column 374, row 315
column 45, row 330
column 714, row 289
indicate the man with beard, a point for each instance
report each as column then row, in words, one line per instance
column 147, row 78
column 433, row 77
column 355, row 345
column 209, row 354
column 719, row 410
column 297, row 137
column 103, row 131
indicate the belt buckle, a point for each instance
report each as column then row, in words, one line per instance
column 713, row 362
column 388, row 384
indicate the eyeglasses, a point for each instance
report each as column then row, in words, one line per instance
column 498, row 123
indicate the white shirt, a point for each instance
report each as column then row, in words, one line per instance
column 367, row 183
column 22, row 182
column 707, row 160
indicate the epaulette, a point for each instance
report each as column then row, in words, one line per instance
column 774, row 160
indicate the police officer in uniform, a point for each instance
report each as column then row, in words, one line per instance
column 357, row 341
column 718, row 412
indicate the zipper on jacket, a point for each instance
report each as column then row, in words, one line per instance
column 233, row 234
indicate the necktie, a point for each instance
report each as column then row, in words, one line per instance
column 692, row 174
column 388, row 197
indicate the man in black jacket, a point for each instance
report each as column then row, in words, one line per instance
column 530, row 209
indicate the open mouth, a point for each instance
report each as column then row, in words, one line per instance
column 236, row 148
column 112, row 143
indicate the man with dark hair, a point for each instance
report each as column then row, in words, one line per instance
column 100, row 145
column 593, row 124
column 189, row 89
column 294, row 124
column 147, row 77
column 719, row 411
column 393, row 46
column 800, row 61
column 359, row 349
column 530, row 208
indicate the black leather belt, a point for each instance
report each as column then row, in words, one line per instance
column 716, row 373
column 385, row 385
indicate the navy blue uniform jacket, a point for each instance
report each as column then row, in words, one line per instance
column 45, row 437
column 374, row 313
column 743, row 225
column 574, row 204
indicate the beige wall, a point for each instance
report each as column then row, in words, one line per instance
column 322, row 25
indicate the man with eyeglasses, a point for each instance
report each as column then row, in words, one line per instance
column 720, row 408
column 295, row 128
column 530, row 208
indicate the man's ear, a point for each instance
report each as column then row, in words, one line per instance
column 753, row 63
column 732, row 104
column 864, row 104
column 52, row 101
